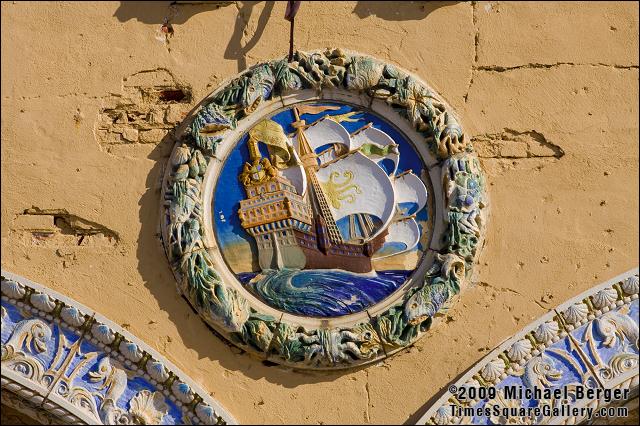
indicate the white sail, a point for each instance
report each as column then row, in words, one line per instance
column 410, row 189
column 297, row 175
column 404, row 235
column 327, row 155
column 355, row 184
column 372, row 136
column 324, row 132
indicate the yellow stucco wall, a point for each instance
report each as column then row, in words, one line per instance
column 547, row 91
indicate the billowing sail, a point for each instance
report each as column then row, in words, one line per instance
column 404, row 232
column 327, row 155
column 410, row 189
column 297, row 175
column 355, row 184
column 298, row 178
column 377, row 145
column 324, row 132
column 404, row 235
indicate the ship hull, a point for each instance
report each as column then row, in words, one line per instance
column 348, row 257
column 318, row 260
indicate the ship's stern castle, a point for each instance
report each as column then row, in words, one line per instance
column 274, row 214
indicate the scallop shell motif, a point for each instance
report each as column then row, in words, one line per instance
column 103, row 333
column 148, row 408
column 604, row 298
column 43, row 302
column 471, row 383
column 131, row 351
column 13, row 289
column 443, row 416
column 157, row 371
column 182, row 391
column 207, row 414
column 519, row 350
column 576, row 313
column 630, row 285
column 72, row 316
column 546, row 331
column 493, row 370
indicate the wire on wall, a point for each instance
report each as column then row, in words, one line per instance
column 290, row 14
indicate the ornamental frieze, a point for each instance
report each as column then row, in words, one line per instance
column 578, row 359
column 65, row 364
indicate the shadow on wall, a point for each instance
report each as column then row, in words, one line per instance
column 156, row 12
column 417, row 415
column 152, row 262
column 236, row 49
column 179, row 12
column 399, row 10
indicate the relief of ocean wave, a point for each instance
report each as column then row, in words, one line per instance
column 322, row 292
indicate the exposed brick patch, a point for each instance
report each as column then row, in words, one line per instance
column 169, row 95
column 60, row 228
column 514, row 144
column 152, row 102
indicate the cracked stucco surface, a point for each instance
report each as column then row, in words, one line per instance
column 549, row 92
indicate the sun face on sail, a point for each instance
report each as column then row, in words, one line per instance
column 364, row 188
column 341, row 191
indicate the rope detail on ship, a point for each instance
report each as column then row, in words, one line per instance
column 310, row 164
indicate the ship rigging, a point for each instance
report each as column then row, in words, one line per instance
column 326, row 198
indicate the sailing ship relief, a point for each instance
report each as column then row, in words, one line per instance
column 328, row 212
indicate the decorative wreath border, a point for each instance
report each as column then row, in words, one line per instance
column 462, row 198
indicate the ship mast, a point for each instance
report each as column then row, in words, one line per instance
column 310, row 164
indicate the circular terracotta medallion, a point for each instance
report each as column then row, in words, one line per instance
column 321, row 213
